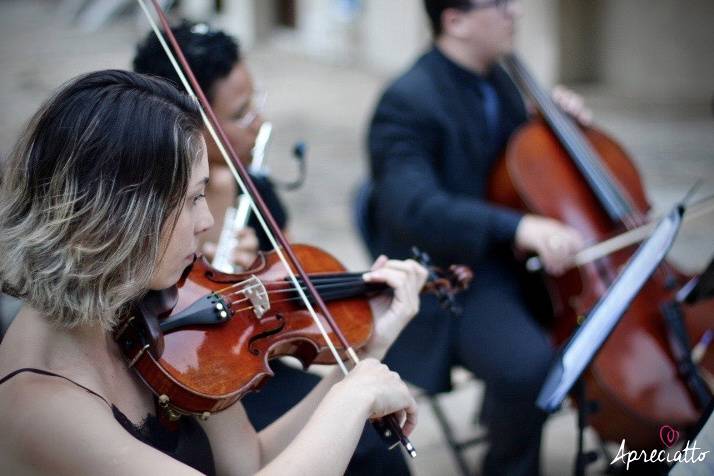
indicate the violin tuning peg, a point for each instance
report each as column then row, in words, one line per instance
column 421, row 256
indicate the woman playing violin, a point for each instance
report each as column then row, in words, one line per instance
column 103, row 200
column 224, row 73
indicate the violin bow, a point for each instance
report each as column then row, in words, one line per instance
column 388, row 427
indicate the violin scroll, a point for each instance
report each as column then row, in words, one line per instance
column 444, row 284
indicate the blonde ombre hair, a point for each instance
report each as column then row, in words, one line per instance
column 88, row 190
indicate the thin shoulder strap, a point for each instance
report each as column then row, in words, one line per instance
column 52, row 374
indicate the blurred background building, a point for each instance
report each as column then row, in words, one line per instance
column 645, row 67
column 651, row 51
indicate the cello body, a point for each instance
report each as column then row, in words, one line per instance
column 634, row 378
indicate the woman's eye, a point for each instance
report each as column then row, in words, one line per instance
column 240, row 114
column 199, row 197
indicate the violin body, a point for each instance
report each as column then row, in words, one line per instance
column 634, row 378
column 205, row 343
column 207, row 368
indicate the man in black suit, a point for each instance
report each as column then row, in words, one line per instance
column 435, row 134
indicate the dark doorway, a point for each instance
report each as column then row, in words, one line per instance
column 285, row 13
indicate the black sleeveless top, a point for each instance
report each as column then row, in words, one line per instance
column 187, row 444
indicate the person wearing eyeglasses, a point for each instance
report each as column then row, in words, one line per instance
column 223, row 74
column 434, row 136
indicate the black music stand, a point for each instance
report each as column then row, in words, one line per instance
column 698, row 288
column 583, row 346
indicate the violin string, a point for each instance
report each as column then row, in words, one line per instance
column 314, row 278
column 326, row 296
column 239, row 283
column 321, row 287
column 328, row 291
column 325, row 287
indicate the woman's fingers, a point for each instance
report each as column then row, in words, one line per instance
column 379, row 262
column 396, row 274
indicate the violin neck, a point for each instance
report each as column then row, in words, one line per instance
column 335, row 286
column 585, row 158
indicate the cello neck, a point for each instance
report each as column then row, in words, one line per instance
column 585, row 158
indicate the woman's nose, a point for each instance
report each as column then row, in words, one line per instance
column 205, row 221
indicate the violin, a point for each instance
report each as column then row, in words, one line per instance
column 203, row 344
column 583, row 178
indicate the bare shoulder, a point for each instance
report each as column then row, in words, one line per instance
column 59, row 428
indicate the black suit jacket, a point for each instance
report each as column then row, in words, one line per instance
column 430, row 155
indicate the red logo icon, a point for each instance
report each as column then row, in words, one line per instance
column 668, row 435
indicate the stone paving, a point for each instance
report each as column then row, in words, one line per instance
column 327, row 106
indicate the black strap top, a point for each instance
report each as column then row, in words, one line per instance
column 188, row 443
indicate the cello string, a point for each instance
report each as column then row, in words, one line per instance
column 616, row 204
column 572, row 139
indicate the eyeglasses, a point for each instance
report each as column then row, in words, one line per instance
column 251, row 111
column 500, row 4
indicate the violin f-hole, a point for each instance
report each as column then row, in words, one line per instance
column 265, row 334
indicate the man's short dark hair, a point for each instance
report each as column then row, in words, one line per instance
column 434, row 8
column 212, row 54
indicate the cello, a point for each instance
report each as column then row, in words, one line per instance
column 583, row 178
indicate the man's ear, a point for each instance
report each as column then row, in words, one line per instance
column 452, row 23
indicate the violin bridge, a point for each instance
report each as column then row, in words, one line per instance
column 255, row 291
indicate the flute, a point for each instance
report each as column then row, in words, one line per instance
column 236, row 217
